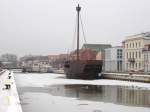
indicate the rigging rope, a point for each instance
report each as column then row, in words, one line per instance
column 74, row 35
column 73, row 41
column 88, row 55
column 83, row 29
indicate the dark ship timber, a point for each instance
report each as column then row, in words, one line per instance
column 82, row 69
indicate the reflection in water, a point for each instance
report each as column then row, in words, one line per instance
column 114, row 94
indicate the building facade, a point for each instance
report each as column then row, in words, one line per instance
column 35, row 64
column 146, row 53
column 133, row 50
column 114, row 59
column 9, row 60
column 100, row 56
column 84, row 54
column 57, row 61
column 98, row 48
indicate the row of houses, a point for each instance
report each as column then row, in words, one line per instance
column 47, row 63
column 132, row 56
column 35, row 63
column 8, row 61
column 56, row 62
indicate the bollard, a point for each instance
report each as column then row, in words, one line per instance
column 8, row 86
column 9, row 77
column 8, row 83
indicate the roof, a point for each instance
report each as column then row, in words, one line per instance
column 145, row 36
column 32, row 58
column 115, row 47
column 96, row 47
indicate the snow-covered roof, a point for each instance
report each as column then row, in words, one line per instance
column 145, row 35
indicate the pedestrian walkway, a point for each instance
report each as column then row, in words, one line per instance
column 9, row 100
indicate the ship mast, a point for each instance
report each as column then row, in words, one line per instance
column 78, row 8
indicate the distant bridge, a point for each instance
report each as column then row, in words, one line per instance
column 14, row 69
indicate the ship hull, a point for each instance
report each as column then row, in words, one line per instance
column 83, row 69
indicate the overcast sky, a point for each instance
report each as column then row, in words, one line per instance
column 47, row 26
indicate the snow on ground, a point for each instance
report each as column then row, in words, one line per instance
column 9, row 100
column 3, row 94
column 55, row 79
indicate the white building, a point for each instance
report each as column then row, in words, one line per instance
column 114, row 59
column 9, row 60
column 133, row 50
column 36, row 64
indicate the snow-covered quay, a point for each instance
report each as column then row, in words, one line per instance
column 9, row 99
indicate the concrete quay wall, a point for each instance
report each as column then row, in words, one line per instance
column 128, row 77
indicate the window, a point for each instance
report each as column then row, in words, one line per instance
column 133, row 45
column 117, row 65
column 120, row 65
column 136, row 44
column 117, row 56
column 127, row 66
column 117, row 53
column 130, row 65
column 117, row 50
column 139, row 54
column 127, row 55
column 136, row 54
column 139, row 65
column 136, row 65
column 130, row 54
column 127, row 45
column 133, row 55
column 130, row 45
column 139, row 44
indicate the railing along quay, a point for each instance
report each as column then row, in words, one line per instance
column 127, row 77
